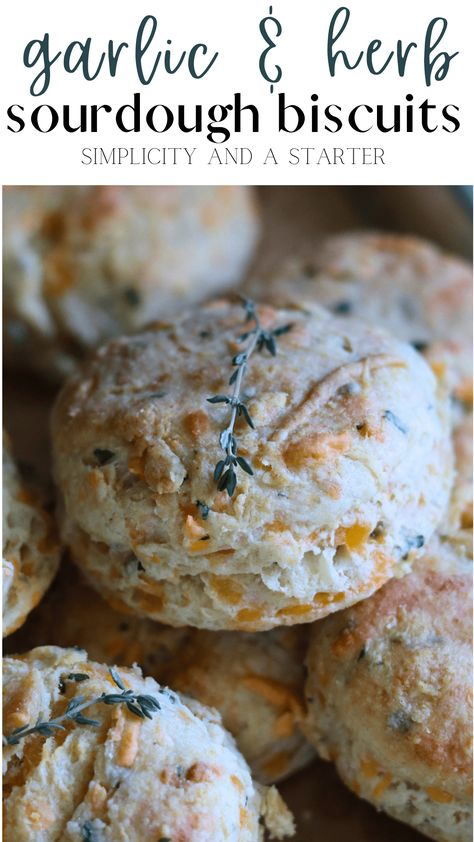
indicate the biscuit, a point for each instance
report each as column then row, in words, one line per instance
column 389, row 698
column 449, row 553
column 31, row 549
column 460, row 506
column 254, row 680
column 173, row 774
column 72, row 614
column 351, row 457
column 82, row 264
column 401, row 283
column 256, row 683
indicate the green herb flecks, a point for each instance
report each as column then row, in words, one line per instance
column 87, row 832
column 132, row 297
column 203, row 509
column 390, row 416
column 103, row 455
column 258, row 340
column 400, row 721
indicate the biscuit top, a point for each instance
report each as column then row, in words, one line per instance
column 393, row 676
column 348, row 427
column 175, row 775
column 85, row 263
column 405, row 284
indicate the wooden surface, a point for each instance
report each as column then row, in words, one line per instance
column 294, row 220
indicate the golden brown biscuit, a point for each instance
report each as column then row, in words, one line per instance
column 254, row 680
column 82, row 264
column 389, row 698
column 158, row 767
column 401, row 283
column 31, row 548
column 350, row 452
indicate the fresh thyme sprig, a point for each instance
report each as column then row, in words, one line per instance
column 140, row 705
column 259, row 339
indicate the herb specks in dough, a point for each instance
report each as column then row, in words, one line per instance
column 88, row 832
column 390, row 416
column 351, row 388
column 342, row 308
column 378, row 531
column 203, row 509
column 132, row 297
column 400, row 721
column 420, row 346
column 103, row 456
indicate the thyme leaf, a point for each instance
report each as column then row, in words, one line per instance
column 245, row 465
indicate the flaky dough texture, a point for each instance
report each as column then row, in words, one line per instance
column 82, row 264
column 389, row 697
column 350, row 452
column 31, row 549
column 176, row 775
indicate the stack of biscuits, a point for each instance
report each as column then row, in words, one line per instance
column 262, row 523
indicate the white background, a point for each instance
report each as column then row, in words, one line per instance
column 233, row 30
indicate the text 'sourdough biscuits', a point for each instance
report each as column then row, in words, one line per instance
column 351, row 457
column 31, row 548
column 82, row 264
column 254, row 680
column 389, row 698
column 173, row 775
column 403, row 284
